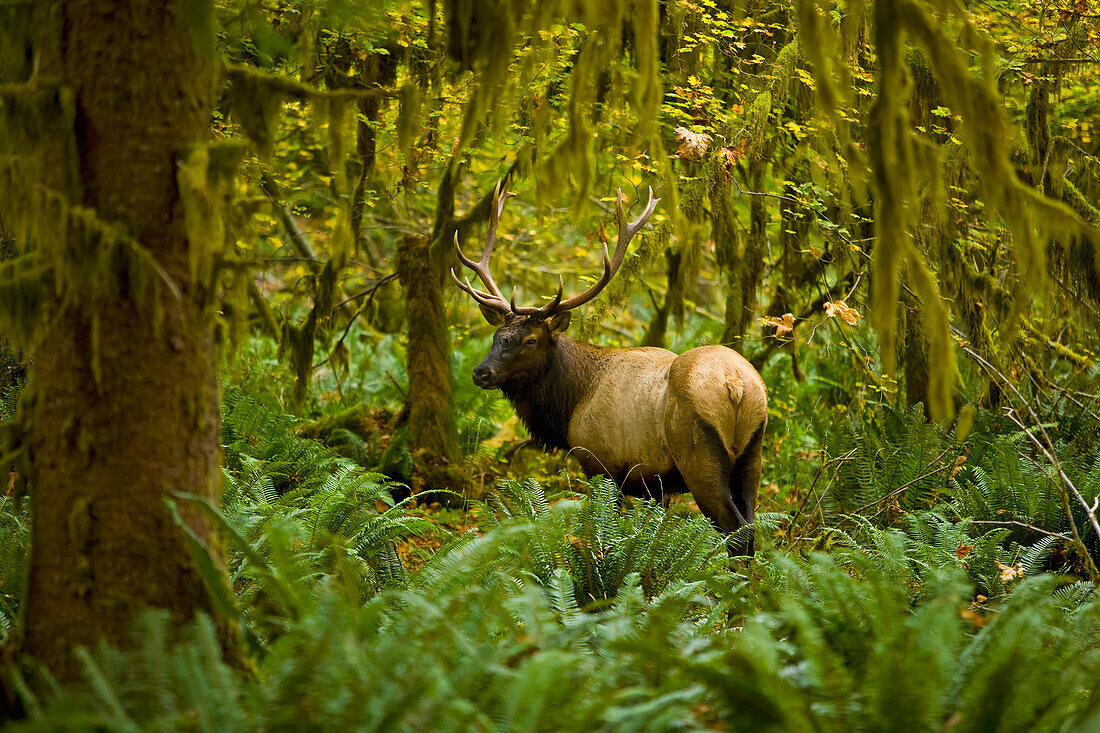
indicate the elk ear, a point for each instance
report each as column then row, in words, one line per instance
column 493, row 316
column 558, row 324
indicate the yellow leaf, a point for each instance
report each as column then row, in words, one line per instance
column 841, row 310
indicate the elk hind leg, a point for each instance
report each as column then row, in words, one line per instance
column 745, row 480
column 707, row 472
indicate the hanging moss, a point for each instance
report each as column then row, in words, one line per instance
column 647, row 83
column 819, row 45
column 651, row 244
column 32, row 115
column 1024, row 209
column 201, row 213
column 24, row 291
column 407, row 116
column 783, row 72
column 16, row 53
column 893, row 172
column 756, row 125
column 256, row 97
column 297, row 343
column 255, row 100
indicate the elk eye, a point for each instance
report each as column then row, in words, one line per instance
column 531, row 341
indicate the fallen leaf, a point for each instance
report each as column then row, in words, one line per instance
column 841, row 310
column 693, row 145
column 963, row 550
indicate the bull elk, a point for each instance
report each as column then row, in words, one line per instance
column 656, row 422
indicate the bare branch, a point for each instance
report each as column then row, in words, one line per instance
column 1046, row 447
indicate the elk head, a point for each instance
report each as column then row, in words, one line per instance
column 526, row 335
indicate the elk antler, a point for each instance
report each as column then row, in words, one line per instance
column 610, row 265
column 493, row 298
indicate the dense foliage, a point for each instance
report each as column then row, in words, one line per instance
column 912, row 579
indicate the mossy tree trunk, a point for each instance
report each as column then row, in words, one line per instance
column 122, row 407
column 745, row 268
column 421, row 268
column 913, row 355
column 433, row 434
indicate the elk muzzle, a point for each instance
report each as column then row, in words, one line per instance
column 486, row 376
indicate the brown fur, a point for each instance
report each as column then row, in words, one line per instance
column 656, row 422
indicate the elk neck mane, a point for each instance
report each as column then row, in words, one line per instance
column 546, row 405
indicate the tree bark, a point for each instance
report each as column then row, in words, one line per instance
column 122, row 407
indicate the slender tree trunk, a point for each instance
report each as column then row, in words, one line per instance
column 123, row 402
column 433, row 435
column 913, row 355
column 12, row 369
column 421, row 266
column 747, row 268
column 657, row 330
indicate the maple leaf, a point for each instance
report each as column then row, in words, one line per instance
column 784, row 324
column 842, row 310
column 1010, row 572
column 692, row 144
column 963, row 550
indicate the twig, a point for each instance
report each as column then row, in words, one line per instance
column 1025, row 525
column 830, row 293
column 907, row 484
column 351, row 321
column 369, row 291
column 838, row 460
column 297, row 237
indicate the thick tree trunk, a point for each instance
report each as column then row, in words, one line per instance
column 123, row 409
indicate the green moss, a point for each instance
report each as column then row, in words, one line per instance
column 756, row 125
column 202, row 213
column 782, row 73
column 408, row 116
column 652, row 243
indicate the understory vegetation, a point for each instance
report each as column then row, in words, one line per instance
column 910, row 578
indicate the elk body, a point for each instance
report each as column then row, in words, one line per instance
column 656, row 422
